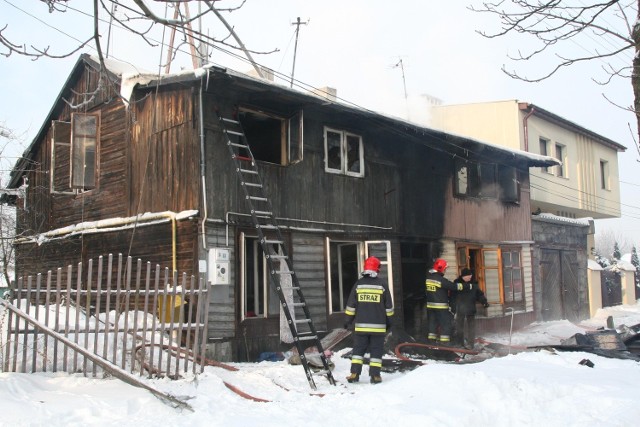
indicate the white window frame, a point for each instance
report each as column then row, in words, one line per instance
column 267, row 290
column 344, row 138
column 365, row 249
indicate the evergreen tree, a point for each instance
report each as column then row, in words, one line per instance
column 616, row 252
column 602, row 261
column 636, row 263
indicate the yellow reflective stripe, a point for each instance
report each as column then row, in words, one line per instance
column 350, row 313
column 356, row 361
column 390, row 312
column 369, row 291
column 375, row 364
column 371, row 329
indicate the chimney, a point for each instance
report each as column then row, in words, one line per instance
column 328, row 93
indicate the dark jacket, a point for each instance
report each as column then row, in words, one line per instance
column 465, row 300
column 370, row 305
column 437, row 289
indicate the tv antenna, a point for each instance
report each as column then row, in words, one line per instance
column 295, row 48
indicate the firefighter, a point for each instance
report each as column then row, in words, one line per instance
column 371, row 307
column 437, row 289
column 465, row 308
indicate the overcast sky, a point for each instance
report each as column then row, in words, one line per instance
column 354, row 46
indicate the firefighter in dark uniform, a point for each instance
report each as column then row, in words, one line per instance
column 371, row 307
column 437, row 289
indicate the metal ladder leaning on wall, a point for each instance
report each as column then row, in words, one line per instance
column 274, row 248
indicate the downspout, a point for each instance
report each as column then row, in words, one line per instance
column 202, row 168
column 525, row 126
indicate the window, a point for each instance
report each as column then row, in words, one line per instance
column 604, row 174
column 259, row 299
column 84, row 139
column 513, row 288
column 544, row 150
column 273, row 139
column 560, row 155
column 344, row 267
column 508, row 184
column 475, row 179
column 345, row 259
column 343, row 153
column 498, row 272
column 74, row 154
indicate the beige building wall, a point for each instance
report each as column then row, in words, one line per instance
column 576, row 190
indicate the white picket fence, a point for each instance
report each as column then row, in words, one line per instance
column 114, row 316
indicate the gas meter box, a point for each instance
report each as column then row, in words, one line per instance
column 219, row 266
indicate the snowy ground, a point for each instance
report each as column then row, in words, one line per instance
column 524, row 389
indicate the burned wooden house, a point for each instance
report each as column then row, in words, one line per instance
column 140, row 164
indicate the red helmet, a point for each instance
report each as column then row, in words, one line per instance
column 440, row 265
column 372, row 263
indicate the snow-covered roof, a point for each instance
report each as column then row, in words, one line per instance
column 586, row 221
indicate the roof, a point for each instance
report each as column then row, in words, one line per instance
column 561, row 121
column 132, row 77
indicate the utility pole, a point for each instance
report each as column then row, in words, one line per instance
column 295, row 48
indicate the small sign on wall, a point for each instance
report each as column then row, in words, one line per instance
column 219, row 266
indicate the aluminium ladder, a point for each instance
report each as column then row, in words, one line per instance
column 273, row 247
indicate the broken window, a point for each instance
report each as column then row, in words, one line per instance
column 486, row 181
column 272, row 138
column 345, row 260
column 508, row 182
column 343, row 152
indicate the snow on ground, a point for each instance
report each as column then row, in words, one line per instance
column 524, row 389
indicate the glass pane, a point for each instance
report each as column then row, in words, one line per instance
column 516, row 258
column 344, row 272
column 84, row 124
column 353, row 153
column 506, row 259
column 462, row 256
column 334, row 150
column 492, row 283
column 517, row 285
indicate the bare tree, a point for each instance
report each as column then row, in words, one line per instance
column 7, row 212
column 573, row 32
column 607, row 240
column 138, row 17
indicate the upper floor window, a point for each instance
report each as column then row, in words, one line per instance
column 273, row 138
column 486, row 181
column 74, row 153
column 544, row 150
column 561, row 170
column 343, row 152
column 604, row 174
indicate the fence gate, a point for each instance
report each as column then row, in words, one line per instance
column 560, row 293
column 611, row 288
column 133, row 317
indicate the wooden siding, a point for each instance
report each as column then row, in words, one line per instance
column 151, row 243
column 489, row 220
column 165, row 153
column 46, row 211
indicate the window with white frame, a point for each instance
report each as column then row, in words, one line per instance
column 344, row 265
column 561, row 170
column 343, row 152
column 544, row 150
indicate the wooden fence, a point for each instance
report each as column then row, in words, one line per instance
column 134, row 319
